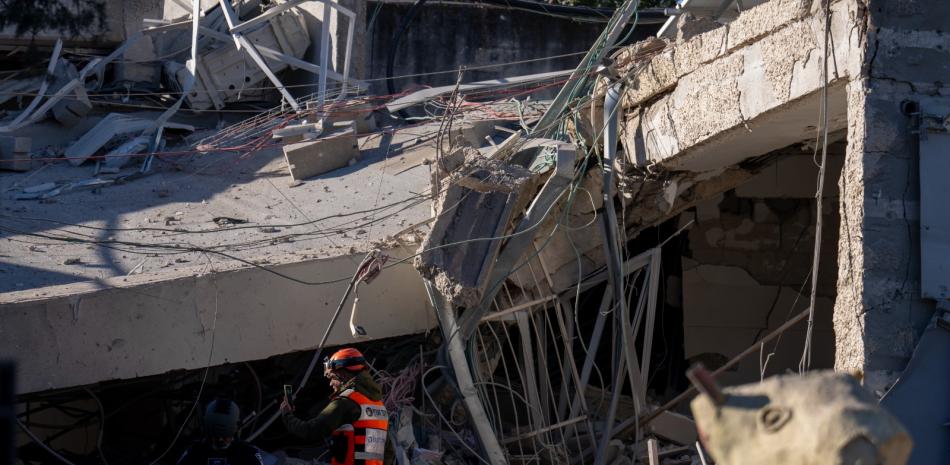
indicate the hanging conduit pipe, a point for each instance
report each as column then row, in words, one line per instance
column 615, row 275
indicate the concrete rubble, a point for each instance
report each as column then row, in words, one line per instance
column 823, row 417
column 113, row 125
column 540, row 267
column 14, row 153
column 333, row 150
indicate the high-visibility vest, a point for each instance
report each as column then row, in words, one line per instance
column 364, row 441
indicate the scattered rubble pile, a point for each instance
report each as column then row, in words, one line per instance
column 507, row 283
column 236, row 52
column 548, row 299
column 528, row 232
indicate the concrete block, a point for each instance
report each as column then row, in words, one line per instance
column 688, row 26
column 70, row 111
column 139, row 63
column 471, row 133
column 658, row 76
column 311, row 158
column 361, row 114
column 296, row 133
column 15, row 153
column 913, row 56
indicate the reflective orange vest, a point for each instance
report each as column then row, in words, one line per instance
column 364, row 441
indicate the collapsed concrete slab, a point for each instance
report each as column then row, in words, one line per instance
column 87, row 311
column 711, row 102
column 114, row 124
column 462, row 246
column 127, row 328
column 738, row 91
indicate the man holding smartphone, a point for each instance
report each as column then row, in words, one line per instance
column 355, row 420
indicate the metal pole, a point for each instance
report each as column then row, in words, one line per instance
column 592, row 347
column 324, row 59
column 463, row 376
column 611, row 33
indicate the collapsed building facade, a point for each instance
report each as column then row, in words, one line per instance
column 759, row 193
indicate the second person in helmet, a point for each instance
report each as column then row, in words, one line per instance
column 355, row 420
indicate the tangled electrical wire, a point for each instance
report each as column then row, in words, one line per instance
column 253, row 135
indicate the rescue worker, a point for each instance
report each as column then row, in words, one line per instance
column 219, row 445
column 355, row 421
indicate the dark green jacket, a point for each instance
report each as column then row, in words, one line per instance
column 338, row 412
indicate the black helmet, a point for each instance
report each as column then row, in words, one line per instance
column 221, row 418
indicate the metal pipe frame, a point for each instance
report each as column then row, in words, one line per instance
column 240, row 41
column 54, row 58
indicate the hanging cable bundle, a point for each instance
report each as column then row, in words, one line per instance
column 368, row 270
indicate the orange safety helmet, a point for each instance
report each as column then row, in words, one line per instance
column 349, row 359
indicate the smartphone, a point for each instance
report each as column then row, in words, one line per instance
column 289, row 393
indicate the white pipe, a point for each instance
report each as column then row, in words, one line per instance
column 324, row 59
column 41, row 444
column 463, row 376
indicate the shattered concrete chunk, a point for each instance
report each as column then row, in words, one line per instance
column 120, row 156
column 822, row 417
column 471, row 133
column 765, row 90
column 111, row 126
column 70, row 110
column 490, row 175
column 479, row 205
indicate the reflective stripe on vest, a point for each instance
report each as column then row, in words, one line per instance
column 364, row 441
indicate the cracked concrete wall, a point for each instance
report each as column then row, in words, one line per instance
column 879, row 314
column 756, row 241
column 740, row 90
column 140, row 328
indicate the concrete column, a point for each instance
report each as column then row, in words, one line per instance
column 879, row 314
